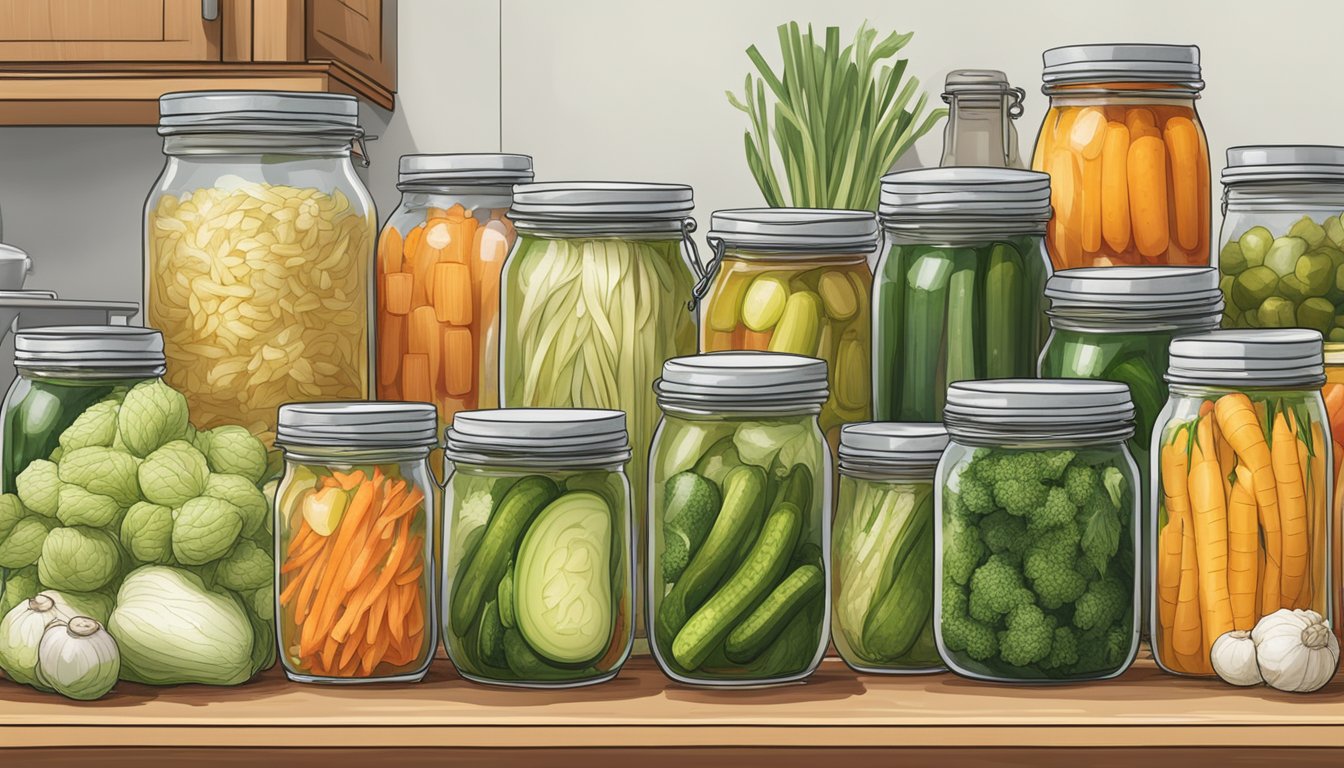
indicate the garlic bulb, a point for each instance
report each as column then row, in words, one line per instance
column 79, row 659
column 1296, row 650
column 21, row 632
column 1233, row 657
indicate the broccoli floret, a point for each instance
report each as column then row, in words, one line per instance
column 1100, row 648
column 1059, row 543
column 1055, row 582
column 1033, row 466
column 1104, row 603
column 976, row 496
column 1063, row 649
column 1028, row 638
column 1057, row 510
column 1019, row 497
column 962, row 549
column 960, row 631
column 1004, row 533
column 1080, row 480
column 996, row 589
column 983, row 466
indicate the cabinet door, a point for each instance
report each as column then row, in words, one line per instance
column 35, row 31
column 361, row 34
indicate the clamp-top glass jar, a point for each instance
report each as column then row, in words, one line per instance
column 258, row 253
column 958, row 287
column 796, row 281
column 1127, row 156
column 981, row 108
column 539, row 575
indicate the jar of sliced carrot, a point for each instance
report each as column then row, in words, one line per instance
column 1243, row 457
column 353, row 533
column 439, row 258
column 1127, row 156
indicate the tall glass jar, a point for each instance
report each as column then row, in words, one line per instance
column 958, row 287
column 1282, row 256
column 354, row 591
column 259, row 253
column 439, row 259
column 61, row 373
column 1037, row 542
column 981, row 108
column 1241, row 510
column 739, row 527
column 1127, row 156
column 882, row 617
column 539, row 572
column 797, row 281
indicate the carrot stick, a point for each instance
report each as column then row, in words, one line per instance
column 1243, row 544
column 1293, row 505
column 1210, row 512
column 1240, row 425
column 1168, row 585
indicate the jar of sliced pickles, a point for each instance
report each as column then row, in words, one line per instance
column 1127, row 156
column 439, row 259
column 740, row 499
column 797, row 281
column 1242, row 454
column 353, row 542
column 957, row 292
column 64, row 372
column 539, row 572
column 882, row 617
column 258, row 253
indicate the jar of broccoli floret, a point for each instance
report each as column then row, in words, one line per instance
column 882, row 547
column 1036, row 572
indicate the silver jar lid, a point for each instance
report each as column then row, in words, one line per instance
column 538, row 437
column 749, row 382
column 278, row 111
column 357, row 424
column 1185, row 297
column 600, row 201
column 482, row 168
column 1285, row 162
column 932, row 199
column 1123, row 63
column 118, row 348
column 802, row 230
column 1032, row 410
column 1268, row 357
column 879, row 445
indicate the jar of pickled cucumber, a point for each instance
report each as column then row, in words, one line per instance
column 797, row 281
column 1127, row 156
column 740, row 499
column 439, row 259
column 1037, row 569
column 958, row 288
column 1282, row 257
column 539, row 574
column 882, row 616
column 353, row 542
column 63, row 372
column 258, row 253
column 1241, row 519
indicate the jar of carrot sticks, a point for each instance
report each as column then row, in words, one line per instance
column 1243, row 456
column 353, row 533
column 1127, row 156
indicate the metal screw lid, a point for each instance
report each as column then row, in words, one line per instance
column 118, row 348
column 357, row 424
column 1281, row 357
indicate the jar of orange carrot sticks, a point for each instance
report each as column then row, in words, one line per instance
column 1127, row 156
column 353, row 533
column 1243, row 456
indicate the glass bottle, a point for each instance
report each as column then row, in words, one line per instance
column 981, row 108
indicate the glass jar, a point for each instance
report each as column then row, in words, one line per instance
column 1333, row 395
column 1127, row 156
column 958, row 288
column 259, row 253
column 1283, row 238
column 353, row 542
column 797, row 281
column 439, row 259
column 1241, row 509
column 1037, row 542
column 882, row 547
column 539, row 572
column 981, row 108
column 740, row 499
column 62, row 372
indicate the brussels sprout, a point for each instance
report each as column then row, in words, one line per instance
column 1317, row 314
column 204, row 529
column 11, row 512
column 39, row 486
column 240, row 492
column 1230, row 259
column 246, row 567
column 1334, row 230
column 79, row 507
column 23, row 546
column 1292, row 289
column 173, row 474
column 1254, row 244
column 96, row 426
column 1284, row 253
column 78, row 558
column 1308, row 230
column 1316, row 271
column 19, row 585
column 152, row 414
column 1336, row 335
column 1253, row 286
column 147, row 533
column 102, row 470
column 234, row 451
column 1277, row 312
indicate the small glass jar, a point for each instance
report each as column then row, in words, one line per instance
column 61, row 372
column 1242, row 454
column 354, row 542
column 1037, row 565
column 882, row 618
column 797, row 281
column 1283, row 238
column 981, row 108
column 539, row 572
column 259, row 253
column 1127, row 156
column 739, row 528
column 957, row 293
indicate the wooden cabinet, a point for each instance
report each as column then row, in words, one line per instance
column 66, row 62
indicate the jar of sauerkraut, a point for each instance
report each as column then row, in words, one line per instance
column 258, row 253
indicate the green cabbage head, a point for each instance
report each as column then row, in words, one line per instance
column 204, row 529
column 11, row 512
column 233, row 450
column 79, row 507
column 78, row 558
column 96, row 426
column 147, row 532
column 105, row 471
column 173, row 474
column 39, row 485
column 23, row 545
column 243, row 494
column 246, row 567
column 152, row 414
